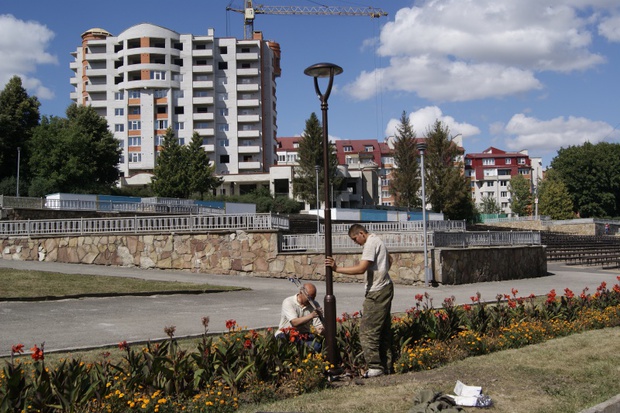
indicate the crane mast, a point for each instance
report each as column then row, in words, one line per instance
column 249, row 11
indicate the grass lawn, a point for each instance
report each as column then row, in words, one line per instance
column 22, row 284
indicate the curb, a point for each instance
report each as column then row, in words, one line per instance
column 610, row 406
column 108, row 295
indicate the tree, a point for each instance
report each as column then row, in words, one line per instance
column 553, row 198
column 489, row 205
column 310, row 154
column 77, row 154
column 405, row 184
column 19, row 115
column 448, row 190
column 170, row 178
column 201, row 175
column 591, row 174
column 521, row 196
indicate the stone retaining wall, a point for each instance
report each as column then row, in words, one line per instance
column 256, row 254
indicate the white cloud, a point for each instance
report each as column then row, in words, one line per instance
column 23, row 47
column 547, row 136
column 459, row 50
column 423, row 119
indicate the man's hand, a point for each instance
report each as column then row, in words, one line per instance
column 329, row 262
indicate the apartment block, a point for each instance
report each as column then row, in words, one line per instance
column 150, row 78
column 491, row 170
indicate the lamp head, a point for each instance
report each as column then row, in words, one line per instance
column 421, row 146
column 323, row 70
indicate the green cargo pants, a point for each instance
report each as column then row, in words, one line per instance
column 376, row 328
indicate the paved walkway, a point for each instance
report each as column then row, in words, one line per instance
column 74, row 324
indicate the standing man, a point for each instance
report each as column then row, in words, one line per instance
column 301, row 312
column 375, row 328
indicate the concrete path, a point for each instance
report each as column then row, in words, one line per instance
column 74, row 324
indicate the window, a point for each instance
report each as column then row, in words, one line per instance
column 245, row 65
column 161, row 109
column 348, row 148
column 222, row 142
column 385, row 194
column 201, row 125
column 295, row 144
column 224, row 158
column 133, row 125
column 369, row 148
column 490, row 183
column 245, row 50
column 119, row 96
column 162, row 124
column 119, row 111
column 179, row 110
column 119, row 127
column 222, row 65
column 503, row 183
column 179, row 125
column 178, row 94
column 281, row 158
column 160, row 93
column 135, row 141
column 504, row 194
column 222, row 127
column 488, row 161
column 467, row 161
column 524, row 171
column 201, row 93
column 134, row 157
column 222, row 80
column 134, row 94
column 134, row 110
column 158, row 75
column 159, row 140
column 222, row 96
column 521, row 161
column 223, row 111
column 181, row 141
column 178, row 77
column 508, row 161
column 205, row 141
column 223, row 49
column 385, row 182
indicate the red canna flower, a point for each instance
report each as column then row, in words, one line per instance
column 247, row 344
column 37, row 353
column 419, row 297
column 568, row 293
column 123, row 346
column 602, row 287
column 551, row 297
column 17, row 349
column 514, row 292
column 467, row 307
column 170, row 331
column 230, row 324
column 512, row 303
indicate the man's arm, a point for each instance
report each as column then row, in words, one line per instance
column 359, row 268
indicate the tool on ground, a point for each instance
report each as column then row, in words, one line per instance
column 302, row 290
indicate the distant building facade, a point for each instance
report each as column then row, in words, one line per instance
column 491, row 170
column 149, row 78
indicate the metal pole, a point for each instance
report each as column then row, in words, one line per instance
column 427, row 275
column 318, row 225
column 18, row 160
column 327, row 70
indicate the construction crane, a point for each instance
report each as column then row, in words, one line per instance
column 249, row 11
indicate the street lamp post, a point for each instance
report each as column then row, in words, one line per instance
column 327, row 70
column 318, row 225
column 427, row 275
column 19, row 149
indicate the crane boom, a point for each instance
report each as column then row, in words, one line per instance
column 250, row 11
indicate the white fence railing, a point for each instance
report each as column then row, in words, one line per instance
column 150, row 224
column 397, row 240
column 399, row 226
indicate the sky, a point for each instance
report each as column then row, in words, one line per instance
column 534, row 75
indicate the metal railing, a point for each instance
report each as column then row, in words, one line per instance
column 413, row 240
column 149, row 224
column 516, row 219
column 105, row 206
column 399, row 226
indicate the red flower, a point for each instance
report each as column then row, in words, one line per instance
column 253, row 334
column 506, row 296
column 514, row 292
column 551, row 297
column 512, row 303
column 467, row 307
column 37, row 353
column 419, row 297
column 356, row 314
column 568, row 293
column 247, row 344
column 123, row 346
column 602, row 287
column 230, row 324
column 17, row 349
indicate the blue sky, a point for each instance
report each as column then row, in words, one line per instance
column 514, row 74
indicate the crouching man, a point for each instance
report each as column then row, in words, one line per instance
column 300, row 312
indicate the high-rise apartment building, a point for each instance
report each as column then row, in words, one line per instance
column 491, row 170
column 149, row 78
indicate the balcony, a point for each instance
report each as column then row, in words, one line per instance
column 96, row 72
column 247, row 87
column 203, row 100
column 248, row 103
column 202, row 84
column 96, row 88
column 249, row 165
column 247, row 72
column 209, row 148
column 247, row 56
column 202, row 68
column 202, row 52
column 202, row 116
column 248, row 134
column 251, row 149
column 205, row 131
column 248, row 118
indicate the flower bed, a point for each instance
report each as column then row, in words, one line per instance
column 244, row 366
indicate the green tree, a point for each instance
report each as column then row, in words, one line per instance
column 405, row 185
column 19, row 115
column 447, row 189
column 591, row 174
column 521, row 196
column 489, row 205
column 170, row 178
column 201, row 175
column 553, row 198
column 310, row 154
column 77, row 154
